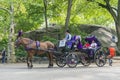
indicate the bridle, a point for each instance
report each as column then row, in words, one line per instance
column 17, row 42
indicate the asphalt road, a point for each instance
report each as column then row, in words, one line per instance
column 41, row 72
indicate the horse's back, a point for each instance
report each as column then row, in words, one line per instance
column 50, row 44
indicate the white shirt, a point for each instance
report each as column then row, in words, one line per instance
column 68, row 37
column 93, row 46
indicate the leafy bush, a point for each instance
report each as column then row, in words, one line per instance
column 49, row 38
column 20, row 52
column 3, row 44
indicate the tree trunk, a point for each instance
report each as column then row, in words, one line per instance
column 118, row 25
column 118, row 33
column 68, row 14
column 116, row 17
column 45, row 14
column 11, row 50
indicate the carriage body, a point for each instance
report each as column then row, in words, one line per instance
column 84, row 56
column 97, row 55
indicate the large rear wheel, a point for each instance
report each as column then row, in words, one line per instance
column 85, row 59
column 100, row 58
column 72, row 60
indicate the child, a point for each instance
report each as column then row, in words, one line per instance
column 86, row 45
column 110, row 54
column 92, row 48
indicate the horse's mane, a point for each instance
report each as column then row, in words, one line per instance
column 27, row 38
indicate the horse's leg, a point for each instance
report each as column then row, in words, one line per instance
column 28, row 64
column 31, row 56
column 29, row 61
column 31, row 66
column 50, row 56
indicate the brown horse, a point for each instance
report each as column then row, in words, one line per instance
column 36, row 47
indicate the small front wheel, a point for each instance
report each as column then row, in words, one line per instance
column 61, row 62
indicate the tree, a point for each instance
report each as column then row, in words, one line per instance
column 68, row 14
column 115, row 13
column 45, row 14
column 11, row 51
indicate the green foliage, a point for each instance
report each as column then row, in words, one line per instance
column 48, row 38
column 28, row 15
column 117, row 53
column 20, row 52
column 3, row 44
column 75, row 30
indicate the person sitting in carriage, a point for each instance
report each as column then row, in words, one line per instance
column 66, row 40
column 94, row 45
column 68, row 36
column 86, row 45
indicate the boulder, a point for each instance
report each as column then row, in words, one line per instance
column 103, row 34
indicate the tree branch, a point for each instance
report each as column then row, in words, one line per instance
column 114, row 8
column 109, row 8
column 5, row 10
column 102, row 5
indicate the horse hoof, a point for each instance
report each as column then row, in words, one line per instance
column 50, row 66
column 30, row 67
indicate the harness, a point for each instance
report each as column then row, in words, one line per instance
column 38, row 45
column 28, row 47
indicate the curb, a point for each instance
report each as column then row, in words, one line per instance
column 116, row 58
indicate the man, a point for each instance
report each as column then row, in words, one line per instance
column 68, row 36
column 3, row 55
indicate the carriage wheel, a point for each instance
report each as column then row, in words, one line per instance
column 61, row 61
column 85, row 59
column 72, row 60
column 100, row 58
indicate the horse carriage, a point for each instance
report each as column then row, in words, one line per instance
column 86, row 56
column 63, row 53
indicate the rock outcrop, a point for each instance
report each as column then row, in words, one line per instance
column 103, row 34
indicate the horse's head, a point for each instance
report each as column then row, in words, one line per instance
column 18, row 42
column 22, row 41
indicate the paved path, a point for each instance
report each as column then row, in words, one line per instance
column 41, row 72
